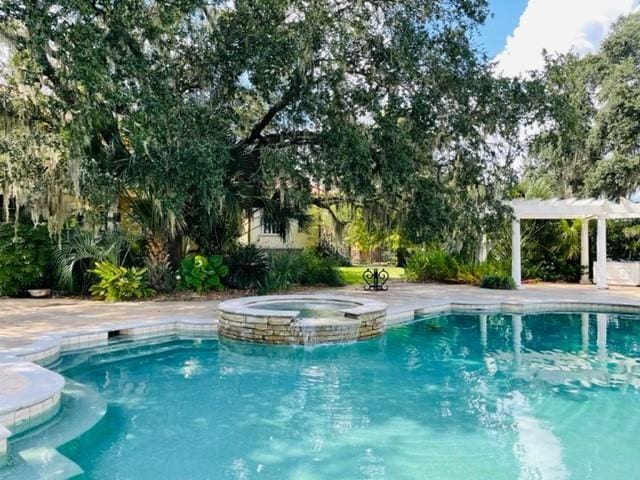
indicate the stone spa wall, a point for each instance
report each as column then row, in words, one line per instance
column 242, row 319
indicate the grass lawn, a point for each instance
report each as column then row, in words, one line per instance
column 353, row 275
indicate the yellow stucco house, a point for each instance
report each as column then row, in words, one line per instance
column 266, row 235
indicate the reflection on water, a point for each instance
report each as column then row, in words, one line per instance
column 455, row 397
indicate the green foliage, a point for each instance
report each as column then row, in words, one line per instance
column 284, row 272
column 589, row 109
column 317, row 270
column 117, row 283
column 79, row 252
column 364, row 235
column 473, row 273
column 215, row 109
column 248, row 268
column 498, row 282
column 432, row 265
column 201, row 273
column 288, row 269
column 551, row 250
column 162, row 273
column 623, row 239
column 435, row 265
column 561, row 149
column 25, row 258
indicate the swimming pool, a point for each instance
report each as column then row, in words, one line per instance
column 549, row 396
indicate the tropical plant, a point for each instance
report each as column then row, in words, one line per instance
column 25, row 258
column 79, row 252
column 498, row 282
column 623, row 239
column 284, row 272
column 163, row 275
column 117, row 283
column 161, row 225
column 248, row 268
column 202, row 273
column 568, row 243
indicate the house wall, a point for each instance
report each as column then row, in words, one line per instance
column 295, row 240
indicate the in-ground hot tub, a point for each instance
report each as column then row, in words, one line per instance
column 301, row 319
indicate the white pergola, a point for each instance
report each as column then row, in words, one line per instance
column 572, row 208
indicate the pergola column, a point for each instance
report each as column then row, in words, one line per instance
column 516, row 272
column 584, row 251
column 601, row 250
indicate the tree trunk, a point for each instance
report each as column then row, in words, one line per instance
column 159, row 268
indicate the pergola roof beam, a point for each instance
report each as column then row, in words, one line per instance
column 556, row 209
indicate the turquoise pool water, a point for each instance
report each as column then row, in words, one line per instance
column 308, row 308
column 544, row 397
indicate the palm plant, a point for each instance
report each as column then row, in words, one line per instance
column 248, row 268
column 568, row 243
column 81, row 251
column 161, row 224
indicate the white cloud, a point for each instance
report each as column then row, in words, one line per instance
column 558, row 26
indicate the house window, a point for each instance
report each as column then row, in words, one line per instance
column 271, row 228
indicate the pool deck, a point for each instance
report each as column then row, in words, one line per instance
column 35, row 332
column 23, row 321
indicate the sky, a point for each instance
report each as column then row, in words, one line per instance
column 518, row 30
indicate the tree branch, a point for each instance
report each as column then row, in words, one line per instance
column 277, row 107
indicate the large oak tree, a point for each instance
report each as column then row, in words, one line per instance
column 205, row 110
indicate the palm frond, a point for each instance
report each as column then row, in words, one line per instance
column 84, row 247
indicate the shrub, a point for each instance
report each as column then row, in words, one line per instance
column 432, row 265
column 498, row 282
column 25, row 259
column 248, row 268
column 287, row 269
column 317, row 270
column 473, row 273
column 201, row 273
column 284, row 272
column 118, row 283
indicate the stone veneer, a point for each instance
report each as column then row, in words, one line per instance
column 242, row 319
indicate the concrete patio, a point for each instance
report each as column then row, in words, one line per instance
column 22, row 321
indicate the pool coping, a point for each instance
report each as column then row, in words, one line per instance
column 243, row 305
column 33, row 405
